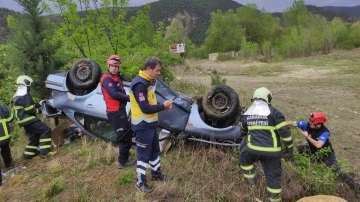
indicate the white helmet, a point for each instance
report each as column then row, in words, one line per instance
column 24, row 80
column 263, row 94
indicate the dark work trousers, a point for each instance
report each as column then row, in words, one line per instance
column 331, row 162
column 272, row 169
column 121, row 126
column 38, row 134
column 148, row 150
column 6, row 153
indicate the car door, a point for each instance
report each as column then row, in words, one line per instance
column 176, row 119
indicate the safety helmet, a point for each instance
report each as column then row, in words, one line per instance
column 263, row 94
column 317, row 118
column 24, row 80
column 114, row 60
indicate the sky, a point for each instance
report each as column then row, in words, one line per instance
column 268, row 5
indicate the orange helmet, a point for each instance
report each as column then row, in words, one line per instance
column 114, row 60
column 317, row 118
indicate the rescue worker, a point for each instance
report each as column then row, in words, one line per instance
column 262, row 127
column 39, row 134
column 144, row 121
column 317, row 136
column 116, row 99
column 6, row 117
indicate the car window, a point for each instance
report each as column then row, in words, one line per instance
column 164, row 90
column 99, row 128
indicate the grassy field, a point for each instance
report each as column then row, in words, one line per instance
column 85, row 170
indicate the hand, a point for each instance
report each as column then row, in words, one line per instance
column 305, row 133
column 168, row 103
column 169, row 109
column 41, row 101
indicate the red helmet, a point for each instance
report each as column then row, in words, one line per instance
column 317, row 118
column 114, row 60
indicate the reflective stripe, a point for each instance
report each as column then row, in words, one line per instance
column 156, row 167
column 29, row 107
column 290, row 146
column 45, row 140
column 275, row 147
column 31, row 147
column 265, row 149
column 249, row 176
column 11, row 117
column 287, row 139
column 45, row 146
column 26, row 119
column 274, row 191
column 247, row 167
column 261, row 127
column 280, row 125
column 6, row 132
column 155, row 162
column 140, row 163
column 29, row 153
column 139, row 170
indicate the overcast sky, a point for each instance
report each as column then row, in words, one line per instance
column 268, row 5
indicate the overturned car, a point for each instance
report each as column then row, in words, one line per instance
column 76, row 94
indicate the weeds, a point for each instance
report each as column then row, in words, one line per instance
column 216, row 78
column 125, row 178
column 56, row 186
column 263, row 70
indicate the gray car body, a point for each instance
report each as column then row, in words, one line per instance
column 183, row 119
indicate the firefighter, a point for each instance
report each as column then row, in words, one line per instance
column 262, row 127
column 39, row 134
column 144, row 121
column 116, row 99
column 6, row 116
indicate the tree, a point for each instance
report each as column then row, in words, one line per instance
column 32, row 49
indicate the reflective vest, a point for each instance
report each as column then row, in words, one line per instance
column 6, row 116
column 25, row 110
column 137, row 116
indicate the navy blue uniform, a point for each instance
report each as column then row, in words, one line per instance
column 116, row 99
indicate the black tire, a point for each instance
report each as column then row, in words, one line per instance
column 85, row 73
column 221, row 102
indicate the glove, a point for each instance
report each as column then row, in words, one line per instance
column 288, row 154
column 38, row 111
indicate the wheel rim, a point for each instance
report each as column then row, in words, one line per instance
column 83, row 72
column 221, row 102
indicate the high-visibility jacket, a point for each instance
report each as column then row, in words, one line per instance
column 139, row 119
column 6, row 116
column 25, row 109
column 264, row 133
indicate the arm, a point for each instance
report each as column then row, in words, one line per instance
column 317, row 143
column 29, row 106
column 283, row 129
column 113, row 91
column 291, row 123
column 243, row 128
column 140, row 94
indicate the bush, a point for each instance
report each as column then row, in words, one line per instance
column 224, row 57
column 216, row 78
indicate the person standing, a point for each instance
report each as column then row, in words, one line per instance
column 39, row 134
column 144, row 122
column 116, row 99
column 263, row 126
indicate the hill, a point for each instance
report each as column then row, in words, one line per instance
column 355, row 10
column 199, row 10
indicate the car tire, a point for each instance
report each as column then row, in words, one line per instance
column 221, row 102
column 85, row 73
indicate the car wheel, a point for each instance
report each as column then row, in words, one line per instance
column 85, row 73
column 221, row 102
